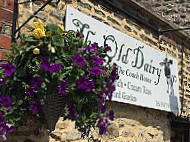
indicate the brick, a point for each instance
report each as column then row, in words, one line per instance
column 3, row 55
column 10, row 4
column 1, row 26
column 1, row 2
column 6, row 15
column 5, row 42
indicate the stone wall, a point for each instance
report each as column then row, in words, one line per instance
column 175, row 11
column 132, row 123
column 6, row 12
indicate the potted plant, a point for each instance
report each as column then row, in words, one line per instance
column 52, row 73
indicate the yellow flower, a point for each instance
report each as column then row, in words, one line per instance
column 38, row 24
column 61, row 27
column 38, row 33
column 36, row 51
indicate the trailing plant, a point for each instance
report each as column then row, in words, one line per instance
column 53, row 62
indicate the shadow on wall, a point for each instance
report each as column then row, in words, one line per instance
column 132, row 123
column 141, row 124
column 26, row 134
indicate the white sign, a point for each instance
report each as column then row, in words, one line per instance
column 148, row 77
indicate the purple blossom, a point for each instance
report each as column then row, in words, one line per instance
column 9, row 69
column 35, row 106
column 103, row 125
column 9, row 128
column 6, row 101
column 97, row 70
column 54, row 68
column 101, row 94
column 109, row 90
column 1, row 81
column 97, row 60
column 102, row 105
column 62, row 89
column 79, row 60
column 6, row 128
column 45, row 63
column 114, row 74
column 110, row 83
column 36, row 82
column 93, row 47
column 111, row 115
column 3, row 135
column 31, row 92
column 85, row 83
column 72, row 112
column 107, row 48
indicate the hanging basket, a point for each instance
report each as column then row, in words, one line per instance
column 53, row 109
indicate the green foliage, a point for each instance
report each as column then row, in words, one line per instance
column 60, row 48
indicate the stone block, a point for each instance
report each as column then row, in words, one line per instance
column 6, row 15
column 3, row 54
column 1, row 2
column 72, row 136
column 1, row 26
column 10, row 4
column 5, row 42
column 113, row 130
column 84, row 5
column 112, row 20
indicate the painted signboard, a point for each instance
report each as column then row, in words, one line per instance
column 148, row 77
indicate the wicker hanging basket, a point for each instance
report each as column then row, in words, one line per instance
column 53, row 109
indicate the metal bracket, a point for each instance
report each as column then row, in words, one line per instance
column 15, row 16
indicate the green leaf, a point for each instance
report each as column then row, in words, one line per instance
column 31, row 47
column 20, row 102
column 30, row 39
column 57, row 40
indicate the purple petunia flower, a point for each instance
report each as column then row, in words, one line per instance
column 110, row 83
column 1, row 81
column 107, row 48
column 9, row 69
column 85, row 83
column 93, row 47
column 102, row 105
column 45, row 63
column 5, row 128
column 97, row 70
column 114, row 74
column 97, row 60
column 54, row 68
column 9, row 128
column 6, row 101
column 72, row 112
column 103, row 125
column 109, row 90
column 79, row 60
column 3, row 135
column 31, row 92
column 36, row 82
column 35, row 106
column 62, row 89
column 111, row 115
